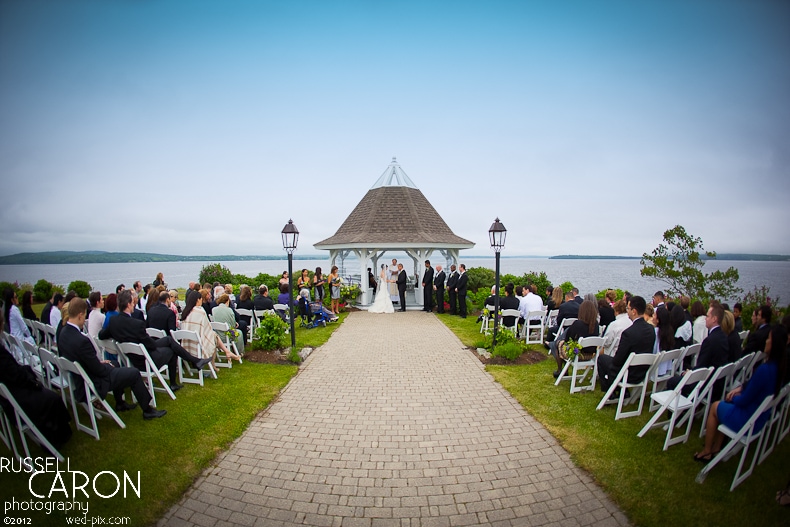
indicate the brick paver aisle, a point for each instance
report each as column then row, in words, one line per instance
column 391, row 423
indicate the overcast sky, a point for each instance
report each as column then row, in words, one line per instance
column 201, row 127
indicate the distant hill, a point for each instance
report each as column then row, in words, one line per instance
column 591, row 257
column 75, row 257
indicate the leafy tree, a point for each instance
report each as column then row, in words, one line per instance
column 42, row 291
column 678, row 263
column 215, row 273
column 81, row 287
column 480, row 277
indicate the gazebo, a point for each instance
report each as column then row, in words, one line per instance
column 393, row 216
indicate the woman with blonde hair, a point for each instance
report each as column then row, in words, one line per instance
column 194, row 318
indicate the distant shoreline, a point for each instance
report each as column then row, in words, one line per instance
column 93, row 257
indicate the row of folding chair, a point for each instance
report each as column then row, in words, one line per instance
column 22, row 428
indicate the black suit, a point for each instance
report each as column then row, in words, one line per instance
column 262, row 303
column 757, row 339
column 452, row 283
column 639, row 338
column 75, row 346
column 714, row 350
column 138, row 314
column 402, row 289
column 161, row 317
column 427, row 289
column 569, row 309
column 438, row 283
column 124, row 328
column 463, row 283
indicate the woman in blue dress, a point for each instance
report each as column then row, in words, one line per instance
column 741, row 403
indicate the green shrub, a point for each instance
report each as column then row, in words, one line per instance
column 8, row 285
column 81, row 287
column 510, row 350
column 540, row 280
column 42, row 291
column 479, row 277
column 270, row 335
column 602, row 293
column 566, row 286
column 294, row 357
column 478, row 298
column 215, row 273
column 759, row 296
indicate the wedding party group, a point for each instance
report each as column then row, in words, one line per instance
column 393, row 280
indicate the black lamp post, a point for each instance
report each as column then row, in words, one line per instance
column 496, row 235
column 290, row 237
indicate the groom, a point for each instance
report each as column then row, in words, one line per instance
column 401, row 281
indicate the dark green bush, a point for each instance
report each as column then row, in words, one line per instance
column 9, row 285
column 215, row 273
column 42, row 291
column 81, row 287
column 509, row 350
column 270, row 335
column 293, row 356
column 540, row 280
column 479, row 277
column 566, row 286
column 759, row 296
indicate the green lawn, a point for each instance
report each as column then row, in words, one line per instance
column 653, row 487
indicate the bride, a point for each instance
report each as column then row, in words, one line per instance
column 383, row 303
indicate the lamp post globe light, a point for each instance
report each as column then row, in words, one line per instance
column 290, row 237
column 496, row 235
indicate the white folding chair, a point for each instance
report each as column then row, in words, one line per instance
column 621, row 381
column 675, row 357
column 551, row 319
column 281, row 309
column 33, row 359
column 675, row 402
column 773, row 428
column 253, row 321
column 152, row 372
column 515, row 313
column 485, row 324
column 82, row 388
column 155, row 333
column 14, row 347
column 736, row 378
column 739, row 440
column 182, row 335
column 33, row 331
column 747, row 371
column 566, row 323
column 743, row 336
column 223, row 360
column 534, row 330
column 691, row 353
column 709, row 394
column 111, row 347
column 24, row 427
column 53, row 378
column 582, row 367
column 49, row 336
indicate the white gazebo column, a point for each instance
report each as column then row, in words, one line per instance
column 363, row 255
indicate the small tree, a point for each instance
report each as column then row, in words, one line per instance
column 215, row 273
column 81, row 287
column 678, row 263
column 42, row 291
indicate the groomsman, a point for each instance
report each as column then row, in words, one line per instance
column 401, row 281
column 460, row 288
column 427, row 287
column 452, row 282
column 438, row 288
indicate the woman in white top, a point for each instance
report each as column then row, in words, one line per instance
column 16, row 326
column 96, row 318
column 700, row 330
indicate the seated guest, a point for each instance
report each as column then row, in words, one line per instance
column 761, row 318
column 152, row 299
column 639, row 338
column 14, row 323
column 740, row 404
column 611, row 337
column 160, row 316
column 554, row 298
column 96, row 318
column 648, row 316
column 586, row 325
column 43, row 406
column 110, row 308
column 509, row 302
column 665, row 336
column 124, row 328
column 489, row 301
column 531, row 302
column 683, row 330
column 611, row 297
column 54, row 314
column 733, row 339
column 173, row 304
column 231, row 296
column 46, row 311
column 714, row 350
column 194, row 318
column 605, row 312
column 304, row 305
column 137, row 313
column 218, row 291
column 76, row 346
column 736, row 312
column 568, row 309
column 207, row 300
column 27, row 306
column 64, row 319
column 284, row 298
column 223, row 313
column 262, row 301
column 245, row 302
column 699, row 329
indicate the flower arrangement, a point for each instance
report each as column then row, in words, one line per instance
column 570, row 349
column 350, row 292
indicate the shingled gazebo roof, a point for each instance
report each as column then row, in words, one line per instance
column 394, row 214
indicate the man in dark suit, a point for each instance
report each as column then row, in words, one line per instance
column 460, row 288
column 427, row 287
column 160, row 316
column 761, row 322
column 438, row 288
column 568, row 309
column 162, row 351
column 402, row 287
column 452, row 283
column 576, row 297
column 714, row 350
column 75, row 346
column 262, row 301
column 639, row 338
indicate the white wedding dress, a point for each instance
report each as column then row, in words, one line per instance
column 382, row 303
